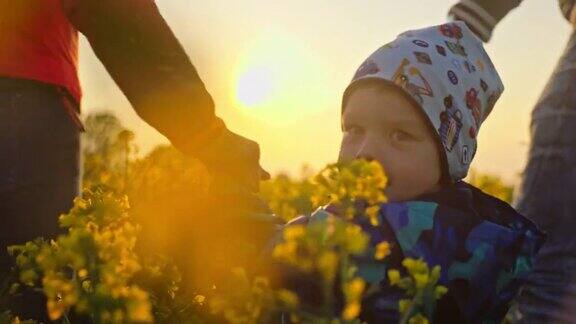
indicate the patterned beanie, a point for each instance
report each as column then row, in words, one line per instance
column 449, row 74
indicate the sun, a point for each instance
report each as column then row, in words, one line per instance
column 255, row 86
column 279, row 79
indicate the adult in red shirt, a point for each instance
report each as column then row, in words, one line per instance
column 40, row 98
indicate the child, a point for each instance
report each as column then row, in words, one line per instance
column 416, row 106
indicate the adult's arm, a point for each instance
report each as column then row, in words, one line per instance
column 150, row 66
column 482, row 15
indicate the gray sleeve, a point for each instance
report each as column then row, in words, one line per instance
column 482, row 15
column 567, row 9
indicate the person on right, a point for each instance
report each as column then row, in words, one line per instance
column 549, row 179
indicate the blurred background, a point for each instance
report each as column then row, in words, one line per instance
column 277, row 70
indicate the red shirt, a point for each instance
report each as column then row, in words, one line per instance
column 38, row 43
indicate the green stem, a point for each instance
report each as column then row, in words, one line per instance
column 5, row 288
column 328, row 292
column 302, row 314
column 328, row 298
column 66, row 320
column 344, row 275
column 406, row 317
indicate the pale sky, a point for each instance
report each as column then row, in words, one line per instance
column 299, row 55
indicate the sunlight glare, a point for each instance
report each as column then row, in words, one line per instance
column 279, row 79
column 255, row 86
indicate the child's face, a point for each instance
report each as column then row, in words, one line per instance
column 379, row 123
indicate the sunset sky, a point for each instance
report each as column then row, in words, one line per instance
column 277, row 69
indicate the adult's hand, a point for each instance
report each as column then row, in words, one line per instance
column 233, row 160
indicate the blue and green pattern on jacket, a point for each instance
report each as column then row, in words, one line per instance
column 483, row 246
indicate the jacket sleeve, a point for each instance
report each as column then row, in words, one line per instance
column 150, row 66
column 482, row 15
column 145, row 59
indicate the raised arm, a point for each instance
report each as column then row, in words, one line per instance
column 482, row 15
column 150, row 66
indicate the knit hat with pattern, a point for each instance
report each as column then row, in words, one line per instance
column 446, row 70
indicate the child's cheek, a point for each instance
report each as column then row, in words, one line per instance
column 409, row 178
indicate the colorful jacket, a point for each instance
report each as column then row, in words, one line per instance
column 483, row 246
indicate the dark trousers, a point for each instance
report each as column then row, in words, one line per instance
column 39, row 170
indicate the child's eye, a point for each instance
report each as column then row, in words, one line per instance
column 352, row 130
column 401, row 136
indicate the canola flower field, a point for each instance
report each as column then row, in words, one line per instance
column 148, row 241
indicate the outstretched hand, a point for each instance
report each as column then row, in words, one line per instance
column 233, row 161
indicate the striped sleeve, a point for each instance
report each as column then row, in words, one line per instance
column 482, row 15
column 568, row 10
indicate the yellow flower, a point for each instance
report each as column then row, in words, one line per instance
column 351, row 311
column 55, row 309
column 356, row 240
column 440, row 291
column 372, row 213
column 82, row 273
column 118, row 316
column 355, row 288
column 382, row 250
column 294, row 232
column 409, row 263
column 415, row 266
column 353, row 230
column 28, row 277
column 261, row 282
column 421, row 280
column 394, row 277
column 199, row 299
column 139, row 308
column 435, row 273
column 294, row 318
column 404, row 305
column 285, row 251
column 418, row 319
column 289, row 298
column 349, row 212
column 327, row 264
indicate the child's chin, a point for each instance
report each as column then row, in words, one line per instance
column 394, row 195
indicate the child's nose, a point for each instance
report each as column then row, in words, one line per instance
column 364, row 152
column 364, row 157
